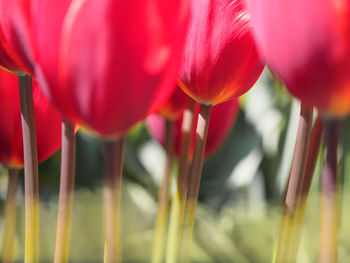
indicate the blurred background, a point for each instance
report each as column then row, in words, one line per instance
column 238, row 214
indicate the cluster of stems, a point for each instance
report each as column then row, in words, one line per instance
column 307, row 148
column 182, row 218
column 114, row 151
column 31, row 186
column 185, row 200
column 304, row 162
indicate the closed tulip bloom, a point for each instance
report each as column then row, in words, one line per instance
column 306, row 43
column 47, row 122
column 220, row 60
column 175, row 105
column 105, row 64
column 222, row 119
column 134, row 50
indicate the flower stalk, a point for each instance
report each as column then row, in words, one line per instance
column 179, row 200
column 313, row 154
column 31, row 178
column 294, row 188
column 113, row 158
column 194, row 180
column 66, row 196
column 10, row 216
column 328, row 250
column 163, row 197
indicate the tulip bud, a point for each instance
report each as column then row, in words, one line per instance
column 175, row 105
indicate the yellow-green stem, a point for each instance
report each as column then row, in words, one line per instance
column 179, row 200
column 31, row 178
column 163, row 199
column 113, row 158
column 308, row 175
column 66, row 196
column 175, row 229
column 10, row 216
column 294, row 188
column 328, row 250
column 194, row 180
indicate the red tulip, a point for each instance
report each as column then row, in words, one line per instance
column 105, row 64
column 306, row 43
column 175, row 105
column 221, row 60
column 222, row 119
column 47, row 121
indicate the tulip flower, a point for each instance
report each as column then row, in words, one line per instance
column 22, row 32
column 222, row 118
column 105, row 64
column 47, row 124
column 173, row 108
column 16, row 61
column 306, row 44
column 220, row 62
column 49, row 38
column 133, row 70
column 147, row 51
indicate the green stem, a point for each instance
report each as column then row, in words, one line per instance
column 308, row 175
column 65, row 205
column 294, row 189
column 179, row 200
column 186, row 138
column 312, row 155
column 113, row 155
column 328, row 251
column 163, row 199
column 31, row 178
column 10, row 216
column 194, row 180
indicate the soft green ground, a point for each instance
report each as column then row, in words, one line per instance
column 231, row 235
